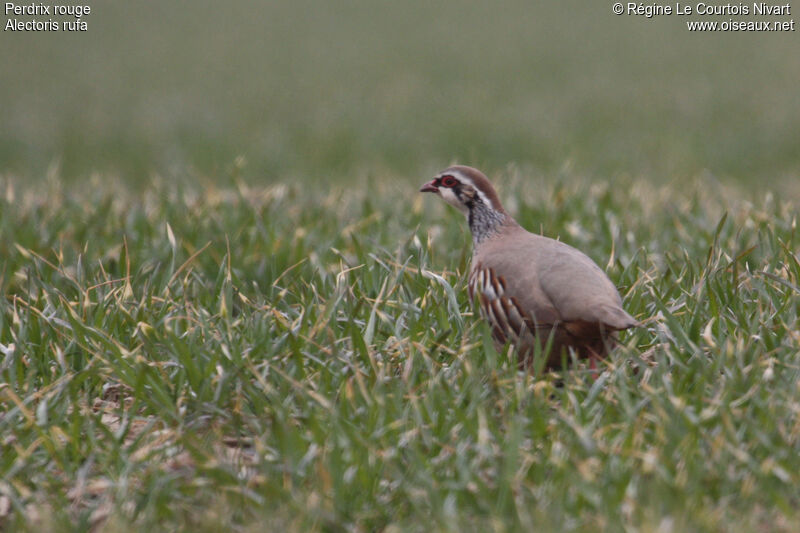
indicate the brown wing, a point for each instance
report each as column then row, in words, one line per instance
column 510, row 323
column 531, row 288
column 553, row 281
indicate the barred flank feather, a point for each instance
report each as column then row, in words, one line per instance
column 511, row 324
column 503, row 313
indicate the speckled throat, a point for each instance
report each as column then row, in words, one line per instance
column 483, row 221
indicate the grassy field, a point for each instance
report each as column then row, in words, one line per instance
column 277, row 358
column 226, row 307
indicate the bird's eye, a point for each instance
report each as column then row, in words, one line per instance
column 449, row 181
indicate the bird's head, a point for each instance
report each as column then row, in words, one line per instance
column 465, row 188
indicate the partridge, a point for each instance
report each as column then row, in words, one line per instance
column 532, row 290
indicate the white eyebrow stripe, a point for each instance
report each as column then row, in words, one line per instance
column 485, row 200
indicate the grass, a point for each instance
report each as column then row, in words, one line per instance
column 251, row 357
column 225, row 306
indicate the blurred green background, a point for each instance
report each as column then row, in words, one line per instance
column 284, row 90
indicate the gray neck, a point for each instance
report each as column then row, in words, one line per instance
column 484, row 222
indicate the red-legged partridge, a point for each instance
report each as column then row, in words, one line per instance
column 531, row 288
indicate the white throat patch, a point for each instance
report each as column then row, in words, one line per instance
column 450, row 197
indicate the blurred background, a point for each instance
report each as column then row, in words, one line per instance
column 273, row 91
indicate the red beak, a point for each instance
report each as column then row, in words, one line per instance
column 429, row 187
